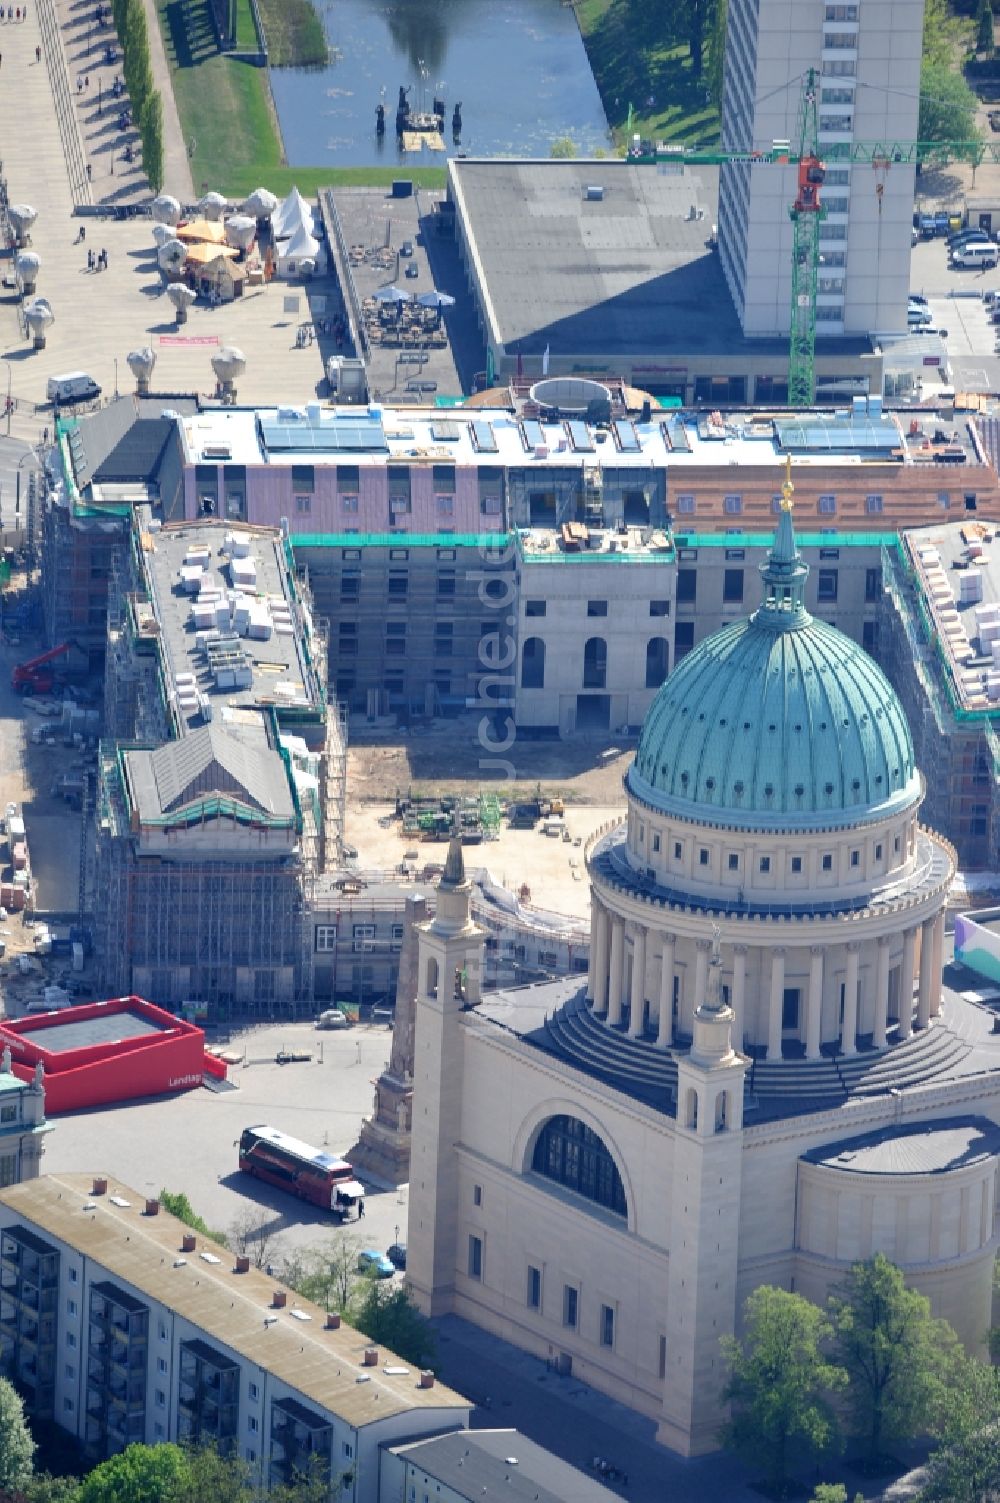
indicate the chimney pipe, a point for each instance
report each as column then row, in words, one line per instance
column 332, row 1320
column 242, row 1263
column 371, row 1356
column 278, row 1299
column 189, row 1242
column 152, row 1208
column 426, row 1378
column 100, row 1187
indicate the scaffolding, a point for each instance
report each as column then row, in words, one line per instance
column 227, row 932
column 489, row 816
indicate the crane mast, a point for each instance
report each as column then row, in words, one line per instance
column 806, row 214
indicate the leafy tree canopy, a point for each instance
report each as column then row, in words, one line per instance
column 780, row 1381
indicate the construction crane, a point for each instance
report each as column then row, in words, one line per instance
column 807, row 212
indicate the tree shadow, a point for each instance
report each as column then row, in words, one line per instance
column 191, row 34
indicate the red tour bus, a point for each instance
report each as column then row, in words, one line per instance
column 322, row 1178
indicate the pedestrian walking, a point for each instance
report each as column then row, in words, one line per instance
column 38, row 54
column 86, row 81
column 90, row 260
column 104, row 259
column 90, row 173
column 24, row 13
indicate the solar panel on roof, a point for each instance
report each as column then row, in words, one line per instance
column 579, row 436
column 532, row 434
column 482, row 437
column 628, row 439
column 353, row 434
column 445, row 433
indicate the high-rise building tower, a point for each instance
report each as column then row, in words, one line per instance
column 868, row 58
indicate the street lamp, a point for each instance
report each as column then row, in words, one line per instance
column 10, row 372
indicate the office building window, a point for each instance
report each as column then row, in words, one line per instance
column 827, row 505
column 607, row 1325
column 826, row 585
column 534, row 1288
column 732, row 587
column 873, row 584
column 597, row 607
column 534, row 607
column 659, row 607
column 326, row 938
column 732, row 505
column 873, row 504
column 571, row 1306
column 475, row 1257
column 687, row 586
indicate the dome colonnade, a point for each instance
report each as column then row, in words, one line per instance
column 773, row 795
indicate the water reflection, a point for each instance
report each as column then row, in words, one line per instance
column 518, row 67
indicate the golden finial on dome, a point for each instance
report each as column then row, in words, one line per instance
column 787, row 488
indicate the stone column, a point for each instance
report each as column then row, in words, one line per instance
column 906, row 983
column 665, row 1026
column 592, row 963
column 849, row 1028
column 739, row 994
column 616, row 970
column 926, row 973
column 881, row 992
column 700, row 974
column 775, row 1004
column 638, row 983
column 938, row 964
column 599, row 958
column 814, row 1002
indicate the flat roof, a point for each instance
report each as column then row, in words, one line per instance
column 325, row 1367
column 379, row 435
column 280, row 675
column 939, row 558
column 629, row 273
column 474, row 1463
column 106, row 1028
column 930, row 1148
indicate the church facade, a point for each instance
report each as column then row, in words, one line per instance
column 764, row 1078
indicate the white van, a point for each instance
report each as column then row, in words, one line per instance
column 77, row 386
column 977, row 254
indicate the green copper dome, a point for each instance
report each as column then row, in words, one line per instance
column 777, row 722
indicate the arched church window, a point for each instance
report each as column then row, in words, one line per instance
column 572, row 1154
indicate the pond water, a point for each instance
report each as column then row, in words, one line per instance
column 518, row 67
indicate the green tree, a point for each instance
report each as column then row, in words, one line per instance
column 564, row 147
column 140, row 1474
column 218, row 1479
column 947, row 105
column 833, row 1492
column 43, row 1487
column 984, row 32
column 899, row 1359
column 386, row 1313
column 177, row 1203
column 326, row 1274
column 966, row 1472
column 780, row 1381
column 16, row 1445
column 717, row 52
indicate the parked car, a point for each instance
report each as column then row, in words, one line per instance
column 977, row 255
column 406, row 249
column 370, row 1260
column 964, row 236
column 942, row 222
column 397, row 1254
column 917, row 300
column 332, row 1018
column 917, row 316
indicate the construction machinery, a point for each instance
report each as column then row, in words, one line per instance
column 37, row 676
column 807, row 211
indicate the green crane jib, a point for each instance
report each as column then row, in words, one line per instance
column 806, row 213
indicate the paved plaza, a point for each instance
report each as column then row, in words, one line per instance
column 101, row 316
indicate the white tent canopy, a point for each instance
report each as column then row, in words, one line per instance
column 302, row 246
column 293, row 213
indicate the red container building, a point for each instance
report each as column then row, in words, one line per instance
column 104, row 1052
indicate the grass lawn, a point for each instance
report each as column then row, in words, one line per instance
column 228, row 119
column 654, row 77
column 295, row 35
